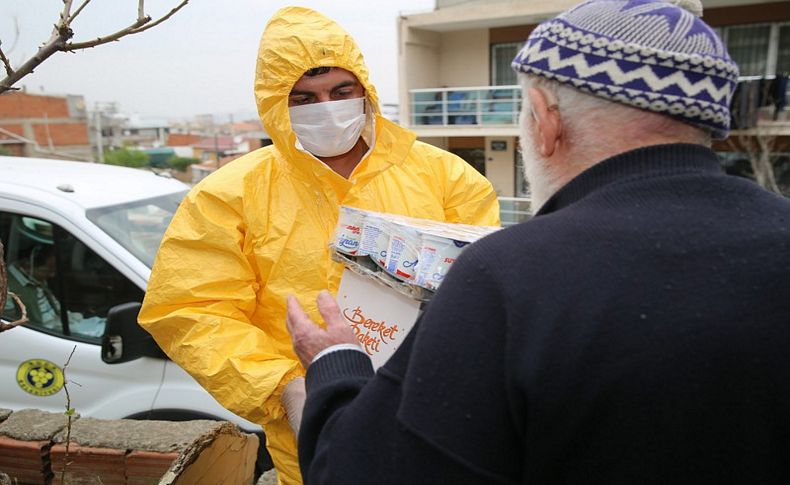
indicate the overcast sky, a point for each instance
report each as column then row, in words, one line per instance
column 201, row 60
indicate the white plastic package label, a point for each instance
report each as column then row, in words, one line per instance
column 348, row 230
column 437, row 254
column 375, row 239
column 403, row 251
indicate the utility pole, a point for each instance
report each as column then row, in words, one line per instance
column 99, row 140
column 216, row 146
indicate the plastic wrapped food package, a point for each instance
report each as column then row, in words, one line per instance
column 348, row 230
column 415, row 251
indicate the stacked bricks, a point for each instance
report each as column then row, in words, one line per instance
column 25, row 440
column 110, row 452
column 123, row 451
column 144, row 467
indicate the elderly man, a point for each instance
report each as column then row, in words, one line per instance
column 260, row 227
column 634, row 331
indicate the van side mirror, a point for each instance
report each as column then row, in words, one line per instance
column 124, row 339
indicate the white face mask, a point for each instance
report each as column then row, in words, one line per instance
column 328, row 129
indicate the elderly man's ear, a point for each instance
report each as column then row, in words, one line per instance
column 546, row 117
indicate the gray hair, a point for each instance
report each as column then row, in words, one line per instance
column 588, row 119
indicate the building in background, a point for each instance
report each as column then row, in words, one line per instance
column 49, row 126
column 112, row 129
column 458, row 92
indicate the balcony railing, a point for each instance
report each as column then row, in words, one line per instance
column 488, row 105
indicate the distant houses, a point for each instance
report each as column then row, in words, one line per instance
column 60, row 126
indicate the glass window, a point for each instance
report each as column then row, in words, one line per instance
column 501, row 57
column 31, row 268
column 462, row 107
column 65, row 286
column 501, row 106
column 522, row 188
column 783, row 51
column 748, row 47
column 140, row 225
column 475, row 157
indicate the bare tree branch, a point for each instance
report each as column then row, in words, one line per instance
column 62, row 34
column 4, row 292
column 758, row 144
column 77, row 12
column 169, row 14
column 44, row 52
column 141, row 25
column 72, row 46
column 20, row 321
column 65, row 19
column 69, row 415
column 8, row 69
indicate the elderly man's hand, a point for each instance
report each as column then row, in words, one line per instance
column 308, row 338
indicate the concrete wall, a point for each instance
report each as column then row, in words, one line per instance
column 436, row 141
column 464, row 58
column 500, row 166
column 418, row 64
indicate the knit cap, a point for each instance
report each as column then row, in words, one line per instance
column 652, row 54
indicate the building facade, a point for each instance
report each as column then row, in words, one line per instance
column 49, row 126
column 457, row 90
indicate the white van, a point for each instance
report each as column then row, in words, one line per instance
column 80, row 239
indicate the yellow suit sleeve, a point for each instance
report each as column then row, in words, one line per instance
column 469, row 196
column 199, row 308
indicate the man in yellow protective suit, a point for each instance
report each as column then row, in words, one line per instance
column 259, row 228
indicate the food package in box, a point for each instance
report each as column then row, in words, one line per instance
column 348, row 230
column 416, row 251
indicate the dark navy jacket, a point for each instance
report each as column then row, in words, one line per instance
column 637, row 330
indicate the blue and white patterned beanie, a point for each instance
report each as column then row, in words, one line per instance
column 650, row 54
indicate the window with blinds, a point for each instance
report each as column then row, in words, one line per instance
column 759, row 49
column 783, row 51
column 748, row 47
column 501, row 57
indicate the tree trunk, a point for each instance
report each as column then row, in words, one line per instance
column 761, row 163
column 759, row 146
column 4, row 296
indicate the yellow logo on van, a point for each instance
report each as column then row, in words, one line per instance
column 39, row 377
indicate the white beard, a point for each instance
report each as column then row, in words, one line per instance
column 543, row 182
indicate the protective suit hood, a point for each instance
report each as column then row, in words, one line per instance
column 297, row 39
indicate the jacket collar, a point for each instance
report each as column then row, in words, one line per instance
column 656, row 160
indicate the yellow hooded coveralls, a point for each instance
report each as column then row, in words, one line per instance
column 259, row 229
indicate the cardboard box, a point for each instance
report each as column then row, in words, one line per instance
column 380, row 315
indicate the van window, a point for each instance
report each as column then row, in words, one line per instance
column 65, row 286
column 138, row 226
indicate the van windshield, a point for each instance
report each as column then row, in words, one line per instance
column 138, row 226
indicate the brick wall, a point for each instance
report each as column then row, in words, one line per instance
column 43, row 118
column 182, row 140
column 61, row 134
column 121, row 452
column 23, row 105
